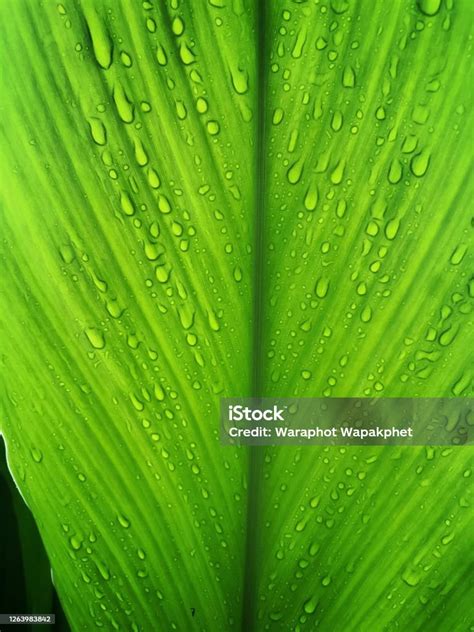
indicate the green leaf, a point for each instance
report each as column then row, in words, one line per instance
column 236, row 198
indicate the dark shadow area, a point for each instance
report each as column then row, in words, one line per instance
column 25, row 578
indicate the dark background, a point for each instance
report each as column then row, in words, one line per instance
column 25, row 576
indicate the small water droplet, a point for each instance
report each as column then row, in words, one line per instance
column 322, row 287
column 310, row 605
column 295, row 172
column 311, row 197
column 338, row 173
column 97, row 130
column 213, row 127
column 337, row 121
column 101, row 42
column 240, row 80
column 348, row 77
column 163, row 204
column 186, row 54
column 277, row 116
column 123, row 521
column 395, row 172
column 150, row 25
column 126, row 59
column 95, row 337
column 36, row 455
column 458, row 254
column 419, row 163
column 127, row 204
column 161, row 56
column 123, row 104
column 391, row 229
column 177, row 26
column 429, row 7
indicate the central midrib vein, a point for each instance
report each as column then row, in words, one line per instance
column 255, row 453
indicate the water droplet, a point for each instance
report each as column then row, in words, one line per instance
column 458, row 254
column 447, row 336
column 97, row 130
column 177, row 26
column 419, row 163
column 101, row 42
column 36, row 455
column 152, row 251
column 191, row 339
column 366, row 314
column 126, row 59
column 276, row 615
column 67, row 254
column 181, row 110
column 201, row 105
column 212, row 127
column 123, row 521
column 322, row 287
column 380, row 114
column 127, row 204
column 434, row 85
column 186, row 54
column 339, row 6
column 123, row 104
column 150, row 25
column 240, row 80
column 295, row 172
column 311, row 197
column 95, row 337
column 391, row 229
column 114, row 308
column 161, row 57
column 103, row 570
column 153, row 178
column 420, row 114
column 409, row 144
column 348, row 77
column 338, row 174
column 186, row 316
column 212, row 319
column 310, row 605
column 177, row 229
column 163, row 204
column 395, row 172
column 299, row 44
column 429, row 7
column 159, row 392
column 321, row 43
column 341, row 208
column 277, row 116
column 162, row 274
column 337, row 121
column 76, row 542
column 140, row 153
column 410, row 577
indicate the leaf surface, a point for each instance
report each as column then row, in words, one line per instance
column 225, row 199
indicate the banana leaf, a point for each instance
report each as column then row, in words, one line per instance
column 236, row 198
